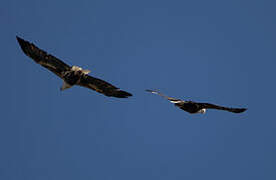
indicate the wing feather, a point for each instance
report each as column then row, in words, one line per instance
column 43, row 58
column 102, row 87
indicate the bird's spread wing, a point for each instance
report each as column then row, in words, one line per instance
column 102, row 87
column 230, row 109
column 164, row 96
column 43, row 58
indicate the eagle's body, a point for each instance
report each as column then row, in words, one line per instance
column 71, row 75
column 190, row 107
column 195, row 107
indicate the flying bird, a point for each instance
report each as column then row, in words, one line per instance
column 71, row 75
column 195, row 107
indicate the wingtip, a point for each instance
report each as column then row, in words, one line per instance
column 21, row 41
column 122, row 94
column 152, row 91
column 127, row 94
column 19, row 38
column 239, row 110
column 243, row 109
column 148, row 90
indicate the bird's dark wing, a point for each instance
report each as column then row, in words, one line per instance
column 102, row 87
column 43, row 58
column 230, row 109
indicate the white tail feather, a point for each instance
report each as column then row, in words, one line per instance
column 65, row 86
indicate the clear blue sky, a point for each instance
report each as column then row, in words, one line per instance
column 214, row 51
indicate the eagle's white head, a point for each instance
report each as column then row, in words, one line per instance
column 77, row 68
column 202, row 111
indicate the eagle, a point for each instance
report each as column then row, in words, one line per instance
column 195, row 107
column 71, row 75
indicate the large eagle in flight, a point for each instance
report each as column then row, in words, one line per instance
column 71, row 75
column 195, row 107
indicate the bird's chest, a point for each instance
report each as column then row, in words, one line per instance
column 71, row 77
column 189, row 107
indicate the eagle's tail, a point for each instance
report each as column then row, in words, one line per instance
column 65, row 86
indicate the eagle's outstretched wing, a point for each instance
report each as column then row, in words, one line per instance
column 213, row 106
column 162, row 95
column 102, row 87
column 43, row 58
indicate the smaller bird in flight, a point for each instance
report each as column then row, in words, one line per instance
column 195, row 107
column 71, row 75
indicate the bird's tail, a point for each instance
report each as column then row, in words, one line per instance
column 162, row 95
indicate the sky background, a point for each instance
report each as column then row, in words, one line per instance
column 215, row 51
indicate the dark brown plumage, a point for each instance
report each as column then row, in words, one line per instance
column 71, row 75
column 195, row 107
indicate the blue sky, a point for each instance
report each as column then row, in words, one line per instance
column 221, row 52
